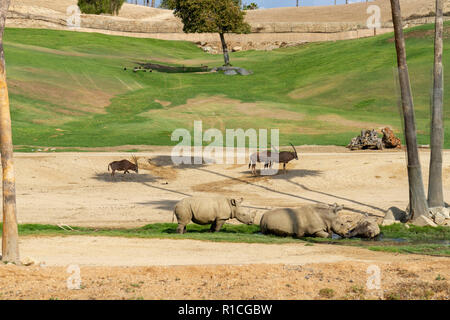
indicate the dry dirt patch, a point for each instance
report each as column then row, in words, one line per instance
column 76, row 188
column 343, row 280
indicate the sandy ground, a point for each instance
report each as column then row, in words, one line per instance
column 76, row 189
column 341, row 280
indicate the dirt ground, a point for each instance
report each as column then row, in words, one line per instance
column 342, row 280
column 76, row 189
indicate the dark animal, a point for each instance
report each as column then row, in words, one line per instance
column 269, row 158
column 123, row 165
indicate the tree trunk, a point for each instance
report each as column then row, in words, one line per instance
column 417, row 200
column 297, row 3
column 435, row 189
column 10, row 237
column 153, row 3
column 226, row 56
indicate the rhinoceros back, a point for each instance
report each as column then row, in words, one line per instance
column 298, row 222
column 203, row 210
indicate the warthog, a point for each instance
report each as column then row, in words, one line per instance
column 308, row 220
column 214, row 210
column 123, row 165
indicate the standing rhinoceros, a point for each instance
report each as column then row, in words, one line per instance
column 307, row 220
column 211, row 210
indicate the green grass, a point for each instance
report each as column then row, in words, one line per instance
column 420, row 240
column 69, row 89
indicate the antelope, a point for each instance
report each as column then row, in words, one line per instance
column 124, row 165
column 259, row 157
column 269, row 158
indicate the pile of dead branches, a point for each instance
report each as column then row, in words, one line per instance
column 367, row 140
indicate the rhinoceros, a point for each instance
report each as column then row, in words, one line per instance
column 365, row 228
column 308, row 220
column 210, row 210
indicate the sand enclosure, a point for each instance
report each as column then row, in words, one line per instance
column 76, row 189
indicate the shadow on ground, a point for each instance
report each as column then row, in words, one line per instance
column 129, row 177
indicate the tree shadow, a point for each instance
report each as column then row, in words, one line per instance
column 129, row 177
column 189, row 162
column 305, row 172
column 340, row 198
column 161, row 204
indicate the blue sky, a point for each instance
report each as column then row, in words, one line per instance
column 285, row 3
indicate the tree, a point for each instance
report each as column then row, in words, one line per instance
column 251, row 6
column 212, row 16
column 10, row 236
column 435, row 189
column 417, row 201
column 166, row 4
column 100, row 6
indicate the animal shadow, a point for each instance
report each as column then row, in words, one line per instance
column 120, row 177
column 188, row 162
column 294, row 173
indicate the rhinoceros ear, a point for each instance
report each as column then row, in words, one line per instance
column 240, row 200
column 233, row 202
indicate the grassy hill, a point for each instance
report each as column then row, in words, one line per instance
column 69, row 89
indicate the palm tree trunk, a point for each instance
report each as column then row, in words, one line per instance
column 226, row 56
column 435, row 189
column 10, row 237
column 418, row 204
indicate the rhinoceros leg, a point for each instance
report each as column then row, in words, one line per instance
column 181, row 228
column 213, row 227
column 322, row 234
column 217, row 225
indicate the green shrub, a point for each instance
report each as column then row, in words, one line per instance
column 100, row 6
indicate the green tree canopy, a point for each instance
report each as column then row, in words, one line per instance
column 211, row 16
column 100, row 6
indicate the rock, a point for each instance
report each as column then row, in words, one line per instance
column 29, row 261
column 447, row 223
column 243, row 72
column 230, row 73
column 439, row 219
column 394, row 213
column 423, row 221
column 388, row 222
column 445, row 212
column 236, row 49
column 207, row 49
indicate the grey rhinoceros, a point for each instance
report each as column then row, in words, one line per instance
column 308, row 220
column 210, row 210
column 365, row 228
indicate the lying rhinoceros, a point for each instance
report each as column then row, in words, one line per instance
column 365, row 228
column 307, row 220
column 213, row 210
